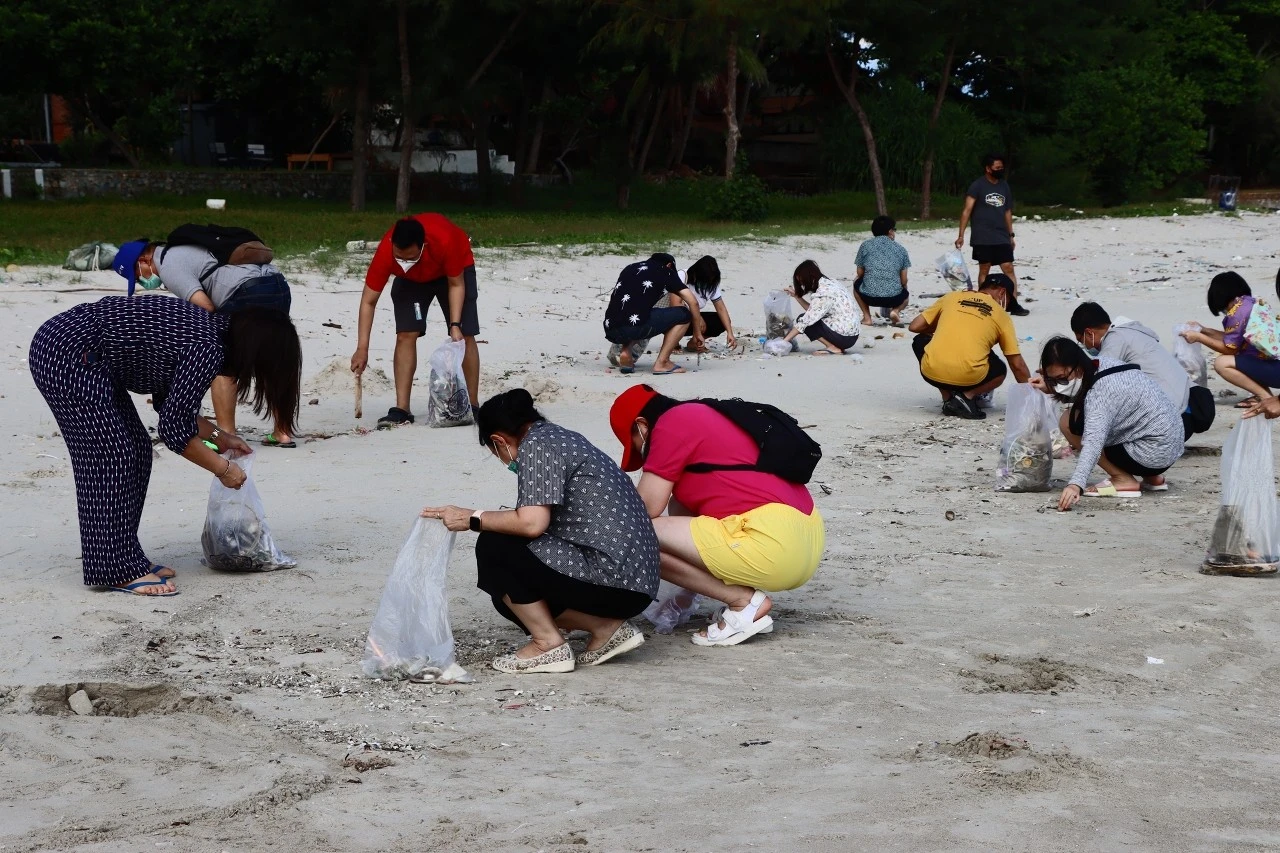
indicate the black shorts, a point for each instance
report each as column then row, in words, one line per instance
column 715, row 326
column 881, row 301
column 506, row 567
column 411, row 299
column 1000, row 253
column 995, row 367
column 1200, row 411
column 1119, row 457
column 822, row 330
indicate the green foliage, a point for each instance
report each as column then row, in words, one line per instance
column 1046, row 171
column 899, row 114
column 745, row 198
column 1137, row 127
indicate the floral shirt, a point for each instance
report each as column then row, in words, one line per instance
column 832, row 304
column 1233, row 326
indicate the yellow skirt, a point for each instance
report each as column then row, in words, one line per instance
column 772, row 547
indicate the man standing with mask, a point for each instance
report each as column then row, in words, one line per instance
column 989, row 205
column 429, row 259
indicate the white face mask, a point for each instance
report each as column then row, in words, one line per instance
column 406, row 265
column 1069, row 389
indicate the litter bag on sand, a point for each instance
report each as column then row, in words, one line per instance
column 410, row 636
column 91, row 257
column 777, row 347
column 1026, row 454
column 1244, row 540
column 448, row 403
column 236, row 537
column 1190, row 356
column 778, row 319
column 954, row 270
column 673, row 607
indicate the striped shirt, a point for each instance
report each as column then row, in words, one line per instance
column 1128, row 409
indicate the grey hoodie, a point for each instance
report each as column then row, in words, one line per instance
column 1131, row 342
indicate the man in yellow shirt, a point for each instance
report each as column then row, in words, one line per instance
column 954, row 342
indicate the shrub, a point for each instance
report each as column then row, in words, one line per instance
column 743, row 199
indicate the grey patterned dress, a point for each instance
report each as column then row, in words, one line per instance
column 600, row 532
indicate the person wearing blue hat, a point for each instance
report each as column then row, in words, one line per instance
column 193, row 273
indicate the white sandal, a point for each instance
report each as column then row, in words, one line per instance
column 739, row 625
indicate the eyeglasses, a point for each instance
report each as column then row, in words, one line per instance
column 1057, row 380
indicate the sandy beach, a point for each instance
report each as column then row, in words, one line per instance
column 935, row 687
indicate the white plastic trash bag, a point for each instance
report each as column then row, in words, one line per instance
column 410, row 636
column 954, row 270
column 777, row 347
column 673, row 607
column 236, row 537
column 448, row 403
column 1190, row 356
column 778, row 317
column 1245, row 540
column 1026, row 454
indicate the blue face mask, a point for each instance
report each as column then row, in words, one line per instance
column 150, row 282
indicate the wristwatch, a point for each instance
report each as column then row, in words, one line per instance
column 216, row 434
column 474, row 523
column 452, row 324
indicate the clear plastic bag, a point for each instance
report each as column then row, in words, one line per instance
column 410, row 636
column 1026, row 454
column 954, row 270
column 673, row 607
column 236, row 537
column 1190, row 356
column 448, row 403
column 777, row 347
column 779, row 318
column 1245, row 540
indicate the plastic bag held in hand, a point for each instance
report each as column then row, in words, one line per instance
column 448, row 403
column 954, row 270
column 236, row 537
column 1245, row 540
column 1190, row 356
column 410, row 636
column 778, row 319
column 1026, row 454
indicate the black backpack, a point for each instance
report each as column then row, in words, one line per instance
column 786, row 450
column 228, row 244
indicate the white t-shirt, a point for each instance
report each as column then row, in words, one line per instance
column 704, row 302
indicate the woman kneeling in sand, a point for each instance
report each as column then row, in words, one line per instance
column 578, row 551
column 728, row 534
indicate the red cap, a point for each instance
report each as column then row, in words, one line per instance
column 622, row 417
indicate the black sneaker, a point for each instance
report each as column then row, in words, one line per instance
column 394, row 417
column 963, row 407
column 1017, row 310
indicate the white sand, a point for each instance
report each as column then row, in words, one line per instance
column 225, row 714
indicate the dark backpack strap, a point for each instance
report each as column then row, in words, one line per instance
column 708, row 467
column 1120, row 368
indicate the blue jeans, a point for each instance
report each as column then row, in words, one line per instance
column 269, row 291
column 660, row 321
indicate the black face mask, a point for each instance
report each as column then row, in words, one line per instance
column 998, row 174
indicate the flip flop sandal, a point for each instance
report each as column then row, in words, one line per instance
column 272, row 441
column 676, row 369
column 626, row 371
column 156, row 569
column 1147, row 487
column 1106, row 490
column 133, row 588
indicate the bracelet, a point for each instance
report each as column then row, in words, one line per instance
column 452, row 324
column 226, row 470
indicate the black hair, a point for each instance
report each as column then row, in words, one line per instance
column 509, row 412
column 1226, row 288
column 704, row 276
column 882, row 225
column 263, row 355
column 657, row 407
column 1088, row 315
column 990, row 159
column 805, row 278
column 408, row 232
column 1064, row 352
column 662, row 259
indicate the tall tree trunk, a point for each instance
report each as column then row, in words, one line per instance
column 81, row 105
column 360, row 140
column 627, row 157
column 731, row 134
column 643, row 159
column 850, row 92
column 406, row 100
column 535, row 144
column 690, row 110
column 484, row 168
column 930, row 145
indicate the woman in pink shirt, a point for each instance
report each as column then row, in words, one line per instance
column 727, row 534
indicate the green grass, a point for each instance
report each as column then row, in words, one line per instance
column 42, row 232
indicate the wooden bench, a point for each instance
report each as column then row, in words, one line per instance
column 303, row 159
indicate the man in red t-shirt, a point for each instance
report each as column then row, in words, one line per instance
column 430, row 260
